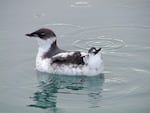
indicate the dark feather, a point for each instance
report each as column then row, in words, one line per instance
column 53, row 51
column 75, row 58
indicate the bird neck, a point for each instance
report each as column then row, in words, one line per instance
column 46, row 45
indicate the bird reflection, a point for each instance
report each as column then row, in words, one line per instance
column 52, row 86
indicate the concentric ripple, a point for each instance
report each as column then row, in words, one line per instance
column 110, row 38
column 105, row 43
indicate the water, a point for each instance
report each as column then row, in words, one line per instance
column 121, row 28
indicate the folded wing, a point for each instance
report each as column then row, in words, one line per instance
column 68, row 58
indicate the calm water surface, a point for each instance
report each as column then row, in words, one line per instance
column 120, row 27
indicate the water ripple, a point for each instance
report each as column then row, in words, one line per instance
column 105, row 43
column 80, row 4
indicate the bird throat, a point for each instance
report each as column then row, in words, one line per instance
column 45, row 46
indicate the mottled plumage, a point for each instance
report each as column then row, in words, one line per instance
column 52, row 59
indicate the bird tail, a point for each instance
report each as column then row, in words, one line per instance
column 94, row 50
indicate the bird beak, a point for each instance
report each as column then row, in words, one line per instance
column 31, row 35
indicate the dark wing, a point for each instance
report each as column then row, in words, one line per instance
column 75, row 58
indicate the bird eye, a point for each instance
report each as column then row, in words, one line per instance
column 42, row 34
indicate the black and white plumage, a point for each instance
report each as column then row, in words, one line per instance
column 52, row 59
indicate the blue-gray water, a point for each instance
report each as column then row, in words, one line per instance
column 120, row 27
